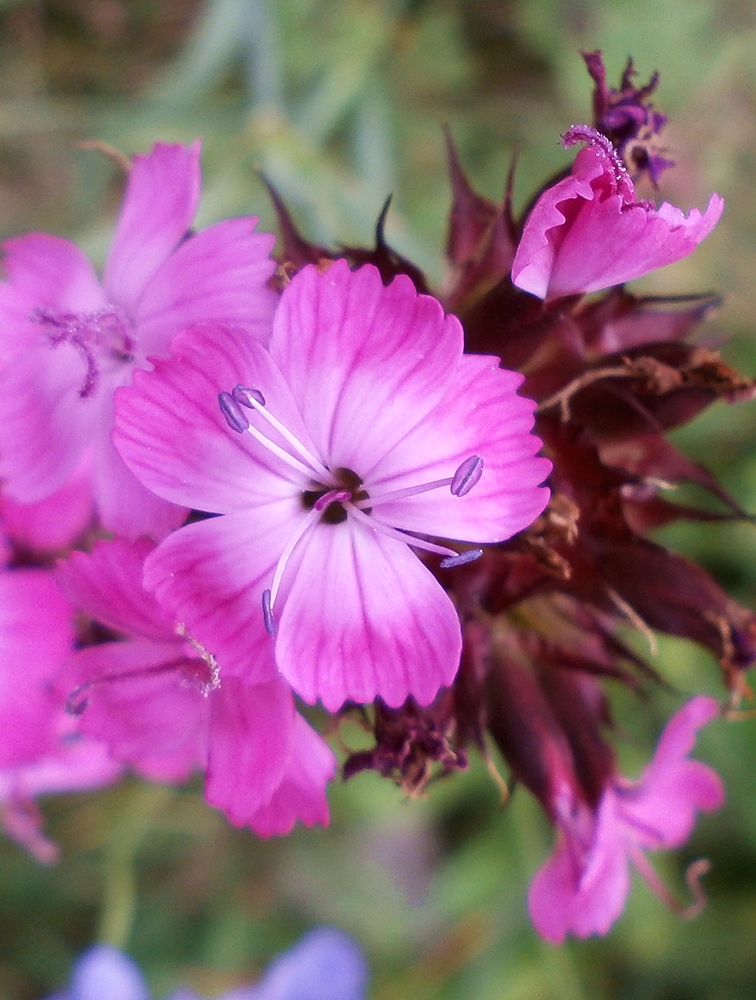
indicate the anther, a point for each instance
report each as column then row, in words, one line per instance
column 462, row 559
column 244, row 396
column 233, row 413
column 271, row 625
column 467, row 475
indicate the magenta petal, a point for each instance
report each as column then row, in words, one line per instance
column 55, row 523
column 364, row 619
column 480, row 414
column 107, row 584
column 170, row 430
column 42, row 272
column 211, row 576
column 154, row 719
column 661, row 808
column 301, row 797
column 162, row 194
column 579, row 891
column 250, row 745
column 126, row 506
column 583, row 234
column 364, row 362
column 45, row 426
column 36, row 636
column 220, row 274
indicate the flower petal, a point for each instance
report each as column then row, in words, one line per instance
column 364, row 619
column 42, row 272
column 107, row 584
column 364, row 362
column 170, row 430
column 162, row 194
column 480, row 414
column 250, row 746
column 211, row 575
column 45, row 426
column 301, row 797
column 661, row 808
column 220, row 274
column 147, row 716
column 325, row 965
column 36, row 636
column 582, row 234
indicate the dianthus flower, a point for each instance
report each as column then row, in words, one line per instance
column 68, row 340
column 158, row 702
column 583, row 886
column 361, row 432
column 590, row 231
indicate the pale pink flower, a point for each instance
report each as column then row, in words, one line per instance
column 363, row 433
column 161, row 704
column 590, row 231
column 67, row 339
column 583, row 886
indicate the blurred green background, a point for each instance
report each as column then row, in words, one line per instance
column 340, row 103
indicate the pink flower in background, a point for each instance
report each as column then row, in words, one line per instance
column 159, row 702
column 361, row 432
column 582, row 888
column 39, row 752
column 36, row 637
column 590, row 231
column 67, row 340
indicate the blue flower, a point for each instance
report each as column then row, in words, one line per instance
column 325, row 965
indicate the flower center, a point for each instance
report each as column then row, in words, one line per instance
column 339, row 493
column 101, row 337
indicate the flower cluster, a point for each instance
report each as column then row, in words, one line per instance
column 236, row 484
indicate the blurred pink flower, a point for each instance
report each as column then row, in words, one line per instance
column 583, row 886
column 39, row 752
column 159, row 703
column 68, row 340
column 590, row 231
column 364, row 430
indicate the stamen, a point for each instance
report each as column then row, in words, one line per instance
column 78, row 700
column 233, row 413
column 462, row 559
column 467, row 475
column 256, row 401
column 403, row 536
column 243, row 395
column 463, row 480
column 271, row 625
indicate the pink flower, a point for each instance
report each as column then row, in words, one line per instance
column 361, row 432
column 70, row 763
column 69, row 340
column 159, row 702
column 590, row 231
column 39, row 753
column 583, row 886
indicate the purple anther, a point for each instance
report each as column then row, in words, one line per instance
column 462, row 559
column 467, row 475
column 78, row 700
column 232, row 412
column 332, row 496
column 271, row 625
column 244, row 396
